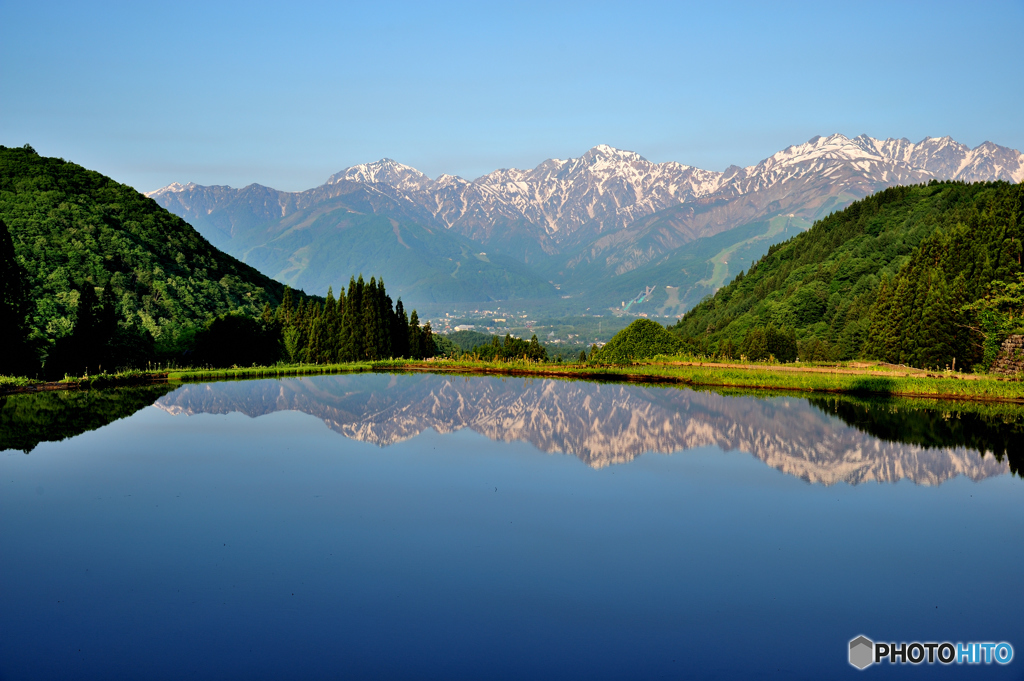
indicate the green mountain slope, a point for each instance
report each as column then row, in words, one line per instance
column 311, row 239
column 927, row 249
column 681, row 278
column 311, row 248
column 80, row 235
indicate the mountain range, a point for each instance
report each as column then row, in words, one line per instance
column 589, row 232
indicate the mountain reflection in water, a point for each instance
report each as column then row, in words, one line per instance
column 820, row 441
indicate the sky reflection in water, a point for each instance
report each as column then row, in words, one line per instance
column 435, row 540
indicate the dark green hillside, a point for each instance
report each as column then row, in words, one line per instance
column 886, row 278
column 79, row 235
column 467, row 340
column 640, row 340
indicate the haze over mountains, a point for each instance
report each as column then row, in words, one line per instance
column 590, row 232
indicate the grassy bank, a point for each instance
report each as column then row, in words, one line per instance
column 8, row 383
column 852, row 378
column 266, row 372
column 875, row 380
column 16, row 384
column 19, row 384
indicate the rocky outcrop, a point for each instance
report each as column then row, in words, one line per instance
column 565, row 203
column 1010, row 361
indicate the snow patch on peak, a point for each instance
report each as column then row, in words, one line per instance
column 608, row 189
column 608, row 152
column 445, row 179
column 386, row 170
column 172, row 188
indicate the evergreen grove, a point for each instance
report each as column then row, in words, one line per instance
column 924, row 275
column 361, row 325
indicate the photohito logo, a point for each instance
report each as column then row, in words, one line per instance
column 864, row 652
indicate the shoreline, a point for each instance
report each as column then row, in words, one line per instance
column 876, row 380
column 878, row 383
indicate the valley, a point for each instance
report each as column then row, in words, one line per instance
column 567, row 235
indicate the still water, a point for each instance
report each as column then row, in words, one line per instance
column 431, row 527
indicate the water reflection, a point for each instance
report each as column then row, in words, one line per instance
column 820, row 441
column 30, row 418
column 996, row 429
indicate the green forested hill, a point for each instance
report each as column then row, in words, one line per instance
column 467, row 340
column 642, row 339
column 887, row 278
column 80, row 236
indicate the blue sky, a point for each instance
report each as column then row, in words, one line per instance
column 285, row 94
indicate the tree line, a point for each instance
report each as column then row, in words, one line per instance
column 511, row 348
column 360, row 325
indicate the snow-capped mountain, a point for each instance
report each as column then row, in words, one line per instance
column 607, row 189
column 589, row 220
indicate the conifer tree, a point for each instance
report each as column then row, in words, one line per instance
column 910, row 332
column 301, row 332
column 896, row 325
column 384, row 316
column 307, row 339
column 336, row 328
column 415, row 337
column 935, row 326
column 536, row 351
column 286, row 309
column 427, row 347
column 371, row 338
column 15, row 354
column 318, row 341
column 400, row 331
column 267, row 316
column 330, row 304
column 354, row 337
column 876, row 342
column 967, row 341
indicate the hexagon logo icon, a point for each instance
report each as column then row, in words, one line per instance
column 861, row 652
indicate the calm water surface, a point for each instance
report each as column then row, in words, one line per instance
column 422, row 527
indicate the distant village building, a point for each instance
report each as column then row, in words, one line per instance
column 465, row 327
